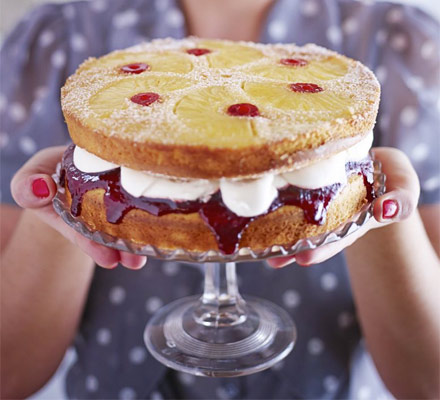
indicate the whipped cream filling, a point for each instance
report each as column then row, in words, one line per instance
column 244, row 197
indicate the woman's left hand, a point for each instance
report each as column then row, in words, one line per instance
column 397, row 204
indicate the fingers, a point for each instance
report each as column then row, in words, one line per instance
column 132, row 261
column 32, row 185
column 103, row 256
column 280, row 262
column 403, row 188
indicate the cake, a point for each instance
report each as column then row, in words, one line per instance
column 218, row 145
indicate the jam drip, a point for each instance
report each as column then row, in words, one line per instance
column 226, row 226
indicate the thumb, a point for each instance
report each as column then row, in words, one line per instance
column 403, row 188
column 32, row 186
column 33, row 191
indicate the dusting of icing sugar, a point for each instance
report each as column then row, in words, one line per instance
column 160, row 123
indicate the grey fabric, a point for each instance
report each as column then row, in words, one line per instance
column 399, row 43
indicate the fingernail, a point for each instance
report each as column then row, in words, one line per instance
column 389, row 209
column 40, row 188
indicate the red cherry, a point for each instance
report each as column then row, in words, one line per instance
column 198, row 52
column 243, row 110
column 135, row 68
column 145, row 99
column 305, row 87
column 294, row 62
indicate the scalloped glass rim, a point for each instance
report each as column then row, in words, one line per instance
column 243, row 254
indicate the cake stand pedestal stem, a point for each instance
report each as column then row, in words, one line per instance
column 221, row 304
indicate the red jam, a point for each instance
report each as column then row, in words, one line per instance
column 198, row 52
column 145, row 99
column 305, row 88
column 226, row 226
column 294, row 62
column 243, row 110
column 135, row 68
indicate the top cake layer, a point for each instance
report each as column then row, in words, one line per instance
column 210, row 108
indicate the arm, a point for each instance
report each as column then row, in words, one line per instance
column 45, row 279
column 395, row 275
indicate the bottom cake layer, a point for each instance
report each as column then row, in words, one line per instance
column 283, row 226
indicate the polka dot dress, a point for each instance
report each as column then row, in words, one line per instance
column 398, row 43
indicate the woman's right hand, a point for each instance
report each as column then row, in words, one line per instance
column 33, row 188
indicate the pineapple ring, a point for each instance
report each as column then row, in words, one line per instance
column 165, row 62
column 188, row 132
column 315, row 70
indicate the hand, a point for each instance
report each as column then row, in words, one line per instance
column 33, row 188
column 397, row 204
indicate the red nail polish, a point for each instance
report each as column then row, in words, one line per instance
column 40, row 188
column 389, row 209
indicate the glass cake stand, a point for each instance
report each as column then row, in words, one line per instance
column 219, row 334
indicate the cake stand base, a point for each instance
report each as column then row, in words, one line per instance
column 177, row 337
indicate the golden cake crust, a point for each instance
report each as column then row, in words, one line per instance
column 284, row 226
column 160, row 140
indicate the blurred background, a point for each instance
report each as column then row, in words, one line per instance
column 11, row 11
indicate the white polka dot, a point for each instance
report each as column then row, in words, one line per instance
column 381, row 36
column 69, row 11
column 46, row 38
column 415, row 82
column 277, row 29
column 4, row 140
column 117, row 295
column 41, row 91
column 345, row 319
column 125, row 19
column 291, row 298
column 58, row 59
column 395, row 15
column 27, row 145
column 174, row 18
column 170, row 268
column 330, row 383
column 408, row 116
column 103, row 336
column 156, row 396
column 78, row 42
column 17, row 112
column 420, row 152
column 186, row 379
column 161, row 5
column 37, row 106
column 381, row 73
column 98, row 5
column 137, row 355
column 350, row 26
column 364, row 392
column 399, row 42
column 431, row 183
column 310, row 8
column 384, row 122
column 428, row 49
column 153, row 304
column 334, row 35
column 329, row 281
column 127, row 393
column 222, row 393
column 92, row 383
column 278, row 366
column 3, row 102
column 315, row 346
